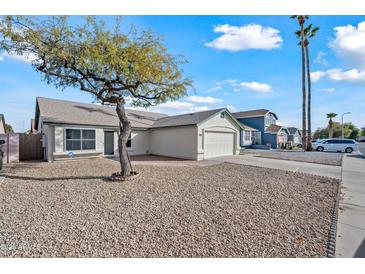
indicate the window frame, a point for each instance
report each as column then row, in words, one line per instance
column 250, row 135
column 81, row 139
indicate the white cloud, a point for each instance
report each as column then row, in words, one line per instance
column 231, row 108
column 246, row 37
column 176, row 105
column 320, row 58
column 316, row 75
column 195, row 109
column 352, row 75
column 255, row 86
column 203, row 99
column 349, row 44
column 170, row 108
column 26, row 58
column 214, row 89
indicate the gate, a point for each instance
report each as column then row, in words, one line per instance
column 30, row 147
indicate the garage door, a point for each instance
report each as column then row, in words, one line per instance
column 218, row 144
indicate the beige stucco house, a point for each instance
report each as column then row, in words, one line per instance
column 72, row 129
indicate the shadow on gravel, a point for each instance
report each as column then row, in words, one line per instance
column 26, row 178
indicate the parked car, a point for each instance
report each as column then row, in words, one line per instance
column 341, row 145
column 1, row 154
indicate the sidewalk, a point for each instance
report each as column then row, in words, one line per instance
column 351, row 216
column 310, row 168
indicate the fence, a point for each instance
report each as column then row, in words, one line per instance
column 21, row 147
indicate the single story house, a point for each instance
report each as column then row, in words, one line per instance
column 294, row 137
column 72, row 129
column 2, row 124
column 265, row 123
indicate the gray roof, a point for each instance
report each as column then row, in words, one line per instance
column 275, row 128
column 253, row 113
column 185, row 119
column 68, row 112
column 293, row 130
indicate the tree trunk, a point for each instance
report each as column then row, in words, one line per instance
column 309, row 121
column 123, row 135
column 330, row 128
column 304, row 126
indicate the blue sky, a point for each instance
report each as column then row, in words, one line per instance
column 239, row 62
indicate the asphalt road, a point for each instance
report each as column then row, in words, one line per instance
column 362, row 147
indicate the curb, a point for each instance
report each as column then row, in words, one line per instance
column 332, row 235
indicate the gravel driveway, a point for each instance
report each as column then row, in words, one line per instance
column 66, row 209
column 326, row 158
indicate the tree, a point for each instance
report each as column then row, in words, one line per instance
column 301, row 20
column 8, row 128
column 330, row 123
column 363, row 131
column 309, row 32
column 109, row 64
column 350, row 131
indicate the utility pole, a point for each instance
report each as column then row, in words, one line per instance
column 342, row 123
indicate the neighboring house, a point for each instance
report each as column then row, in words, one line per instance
column 2, row 124
column 72, row 129
column 264, row 121
column 276, row 136
column 295, row 137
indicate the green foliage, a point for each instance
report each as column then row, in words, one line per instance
column 331, row 115
column 350, row 131
column 308, row 32
column 363, row 131
column 109, row 64
column 8, row 128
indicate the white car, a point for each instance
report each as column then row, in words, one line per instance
column 341, row 145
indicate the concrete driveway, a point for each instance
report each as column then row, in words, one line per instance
column 310, row 168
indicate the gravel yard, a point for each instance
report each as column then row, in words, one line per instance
column 67, row 209
column 326, row 158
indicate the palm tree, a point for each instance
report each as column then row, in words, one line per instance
column 301, row 20
column 309, row 32
column 330, row 123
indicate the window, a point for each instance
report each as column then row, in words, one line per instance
column 80, row 139
column 270, row 120
column 129, row 142
column 248, row 136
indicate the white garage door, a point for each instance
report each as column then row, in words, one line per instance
column 218, row 144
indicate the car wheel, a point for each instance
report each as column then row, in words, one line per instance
column 320, row 149
column 349, row 150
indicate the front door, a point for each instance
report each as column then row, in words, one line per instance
column 108, row 142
